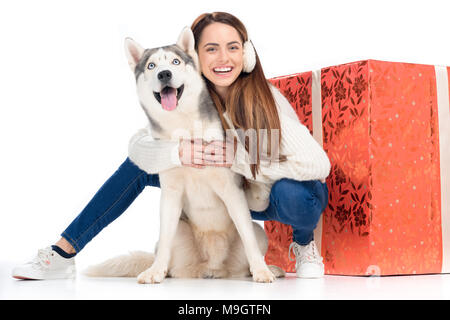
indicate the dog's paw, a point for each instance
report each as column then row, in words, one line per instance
column 263, row 275
column 152, row 275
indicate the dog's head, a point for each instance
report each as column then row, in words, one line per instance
column 165, row 75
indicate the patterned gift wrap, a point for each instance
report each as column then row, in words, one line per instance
column 386, row 129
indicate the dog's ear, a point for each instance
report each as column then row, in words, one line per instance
column 133, row 52
column 186, row 42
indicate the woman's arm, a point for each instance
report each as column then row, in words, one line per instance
column 306, row 159
column 153, row 156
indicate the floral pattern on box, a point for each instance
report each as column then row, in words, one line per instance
column 380, row 131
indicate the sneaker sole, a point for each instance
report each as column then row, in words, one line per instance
column 38, row 276
column 23, row 278
column 48, row 278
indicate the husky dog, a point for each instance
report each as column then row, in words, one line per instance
column 206, row 229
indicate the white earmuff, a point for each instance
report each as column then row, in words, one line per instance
column 249, row 57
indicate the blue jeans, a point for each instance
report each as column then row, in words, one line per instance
column 296, row 203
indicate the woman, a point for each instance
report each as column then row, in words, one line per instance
column 291, row 190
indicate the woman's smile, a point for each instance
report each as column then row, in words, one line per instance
column 224, row 71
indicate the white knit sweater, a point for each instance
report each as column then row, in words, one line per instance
column 306, row 160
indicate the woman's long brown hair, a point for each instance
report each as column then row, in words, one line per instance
column 249, row 102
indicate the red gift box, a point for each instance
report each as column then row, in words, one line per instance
column 386, row 129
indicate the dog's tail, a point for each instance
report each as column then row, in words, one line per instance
column 127, row 265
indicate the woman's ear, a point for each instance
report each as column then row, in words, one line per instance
column 249, row 57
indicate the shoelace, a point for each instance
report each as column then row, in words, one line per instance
column 309, row 254
column 43, row 257
column 296, row 251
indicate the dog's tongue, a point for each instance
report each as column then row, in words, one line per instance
column 169, row 98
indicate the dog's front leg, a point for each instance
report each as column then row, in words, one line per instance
column 170, row 209
column 236, row 203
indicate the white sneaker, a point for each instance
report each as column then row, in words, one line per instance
column 48, row 264
column 308, row 260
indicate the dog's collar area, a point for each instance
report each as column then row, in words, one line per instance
column 158, row 94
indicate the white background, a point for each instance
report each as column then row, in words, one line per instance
column 68, row 103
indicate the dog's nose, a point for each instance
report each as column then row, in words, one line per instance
column 165, row 76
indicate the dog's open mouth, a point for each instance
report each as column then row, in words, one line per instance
column 168, row 97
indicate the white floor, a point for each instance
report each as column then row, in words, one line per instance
column 330, row 287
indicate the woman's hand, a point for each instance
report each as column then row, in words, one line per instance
column 198, row 153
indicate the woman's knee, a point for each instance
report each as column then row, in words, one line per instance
column 144, row 178
column 299, row 201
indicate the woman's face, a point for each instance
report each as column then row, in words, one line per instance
column 221, row 55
